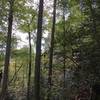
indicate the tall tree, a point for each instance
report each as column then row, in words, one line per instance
column 38, row 51
column 30, row 66
column 26, row 24
column 51, row 50
column 30, row 60
column 8, row 51
column 64, row 48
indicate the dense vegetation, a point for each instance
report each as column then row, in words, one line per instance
column 60, row 58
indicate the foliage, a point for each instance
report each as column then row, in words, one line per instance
column 81, row 41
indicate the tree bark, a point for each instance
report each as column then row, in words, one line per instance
column 64, row 44
column 30, row 67
column 38, row 51
column 8, row 52
column 64, row 51
column 51, row 51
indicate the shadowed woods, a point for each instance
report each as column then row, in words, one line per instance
column 49, row 50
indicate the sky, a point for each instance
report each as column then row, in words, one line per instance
column 23, row 39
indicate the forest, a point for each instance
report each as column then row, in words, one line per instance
column 49, row 49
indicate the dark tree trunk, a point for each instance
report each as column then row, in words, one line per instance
column 51, row 52
column 38, row 51
column 64, row 51
column 64, row 44
column 8, row 52
column 30, row 67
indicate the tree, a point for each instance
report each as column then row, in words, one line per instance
column 26, row 24
column 51, row 51
column 64, row 48
column 30, row 66
column 38, row 51
column 8, row 51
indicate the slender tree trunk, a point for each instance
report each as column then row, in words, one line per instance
column 30, row 67
column 51, row 51
column 38, row 51
column 64, row 44
column 8, row 52
column 64, row 51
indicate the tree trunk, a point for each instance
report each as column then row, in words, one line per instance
column 64, row 44
column 51, row 52
column 30, row 67
column 8, row 52
column 64, row 51
column 38, row 51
